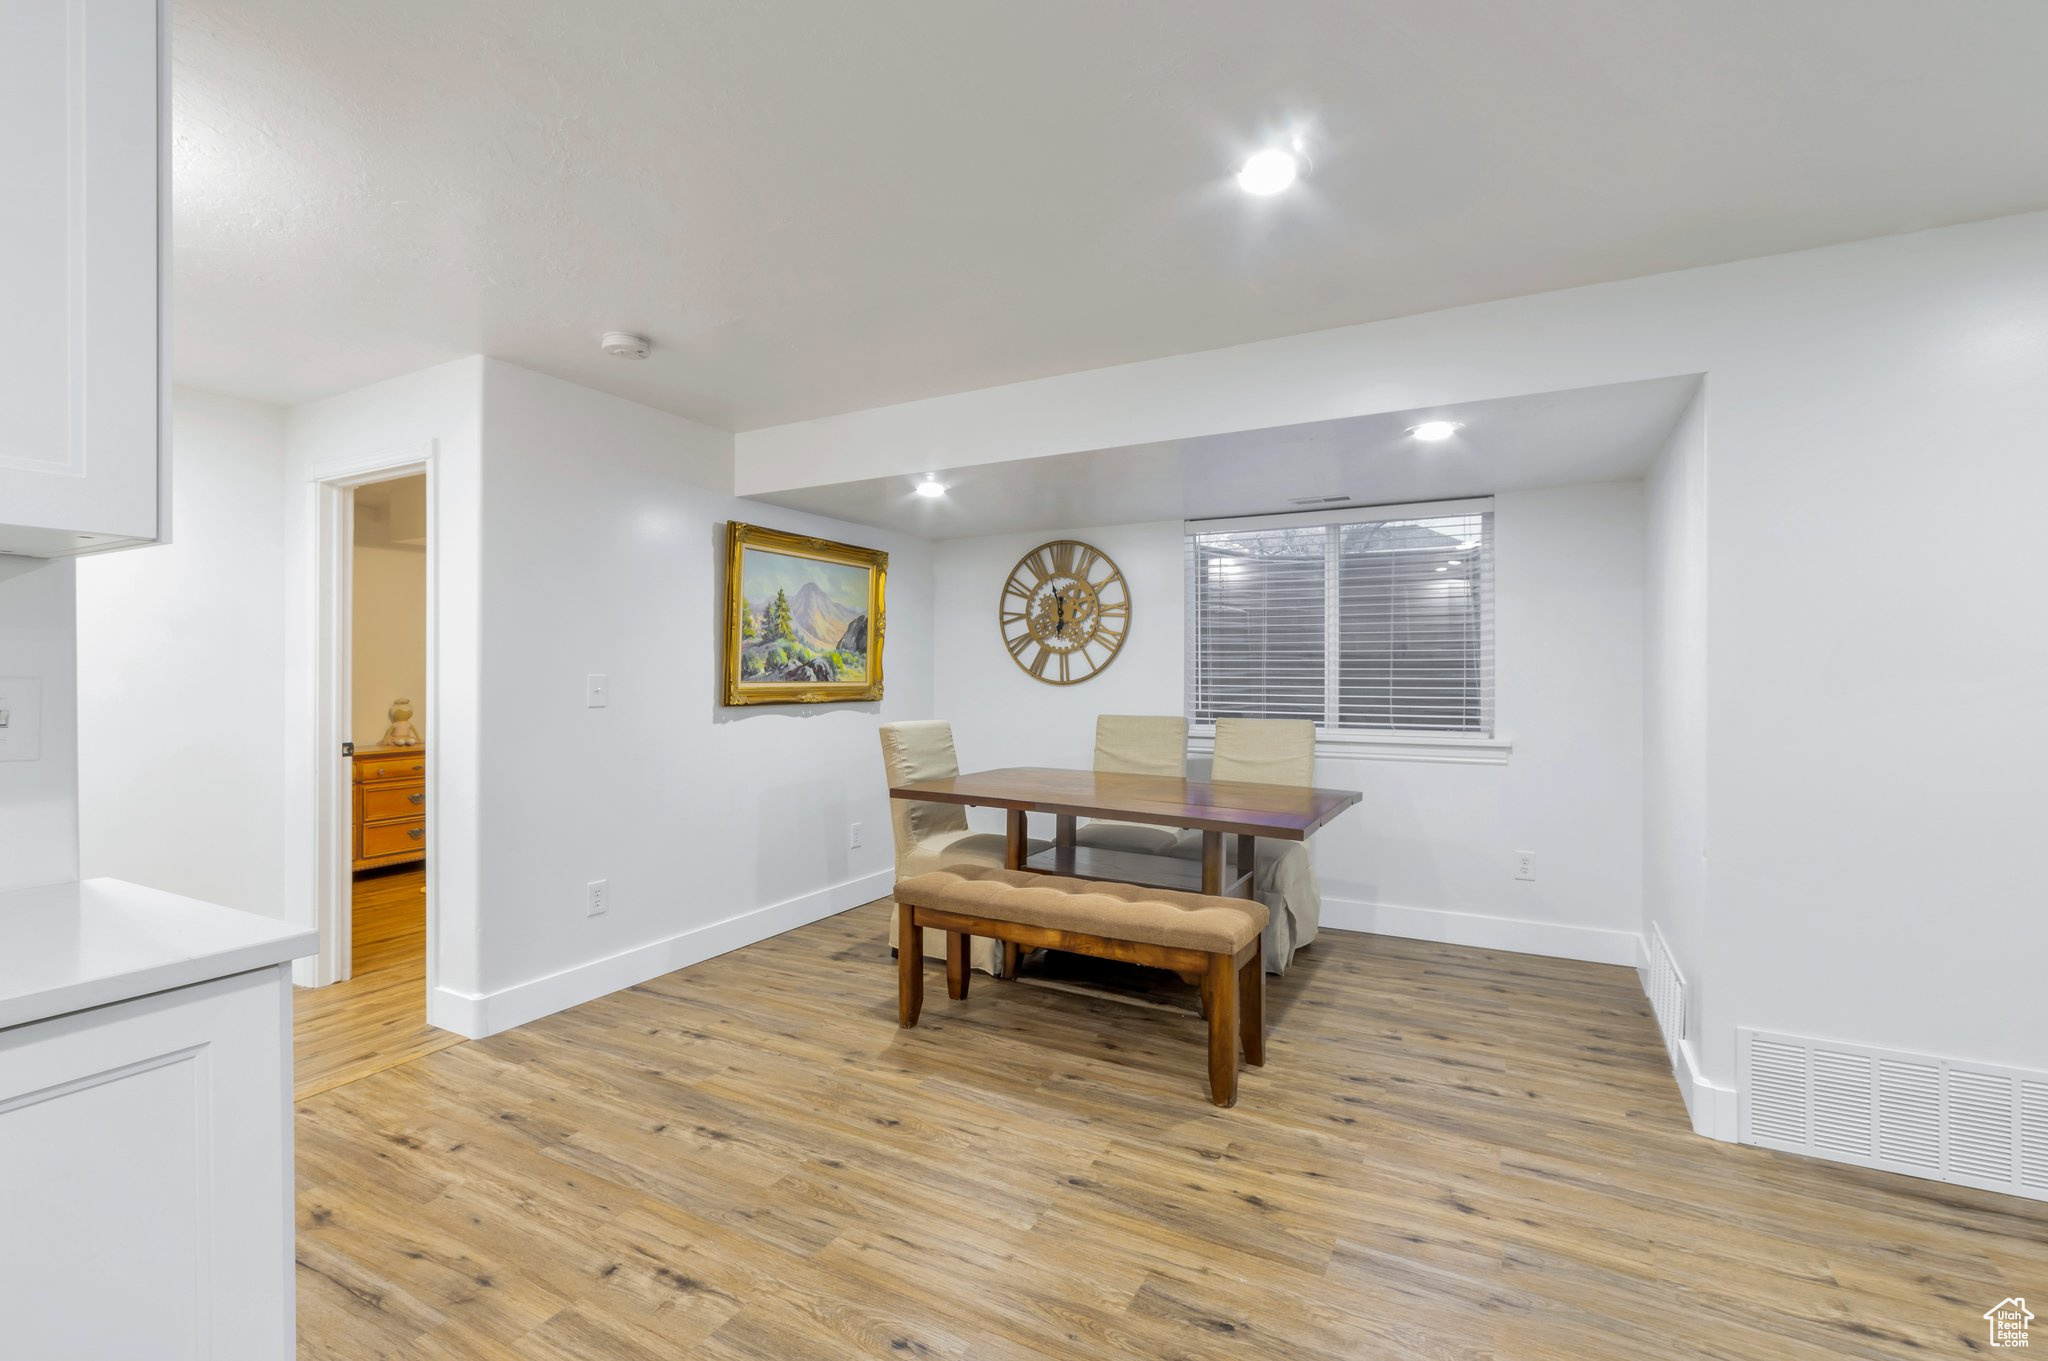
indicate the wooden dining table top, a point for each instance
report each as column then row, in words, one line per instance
column 1281, row 812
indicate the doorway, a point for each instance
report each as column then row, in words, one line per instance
column 376, row 710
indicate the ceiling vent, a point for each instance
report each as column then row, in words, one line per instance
column 1316, row 500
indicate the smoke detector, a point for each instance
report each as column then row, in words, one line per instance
column 625, row 345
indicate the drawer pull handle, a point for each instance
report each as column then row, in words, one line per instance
column 415, row 799
column 415, row 832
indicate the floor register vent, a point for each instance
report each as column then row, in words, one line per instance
column 1968, row 1123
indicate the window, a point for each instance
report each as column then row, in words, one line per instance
column 1362, row 620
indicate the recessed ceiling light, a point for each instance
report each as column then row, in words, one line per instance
column 1457, row 562
column 1268, row 172
column 1432, row 431
column 931, row 486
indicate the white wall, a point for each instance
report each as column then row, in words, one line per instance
column 1000, row 715
column 1675, row 704
column 388, row 638
column 1877, row 688
column 1430, row 850
column 39, row 799
column 604, row 553
column 572, row 533
column 181, row 674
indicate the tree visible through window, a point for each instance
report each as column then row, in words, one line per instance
column 1370, row 624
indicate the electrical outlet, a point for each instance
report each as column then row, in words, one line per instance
column 598, row 897
column 1525, row 864
column 853, row 836
column 597, row 692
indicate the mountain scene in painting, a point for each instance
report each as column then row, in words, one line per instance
column 802, row 620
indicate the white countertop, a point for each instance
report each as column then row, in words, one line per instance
column 66, row 947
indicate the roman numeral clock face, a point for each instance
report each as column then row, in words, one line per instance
column 1065, row 611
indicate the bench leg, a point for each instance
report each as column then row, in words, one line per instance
column 1221, row 996
column 956, row 964
column 1251, row 1002
column 1013, row 959
column 909, row 966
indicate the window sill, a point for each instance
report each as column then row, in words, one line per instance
column 1389, row 746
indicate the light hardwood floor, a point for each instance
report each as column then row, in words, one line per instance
column 378, row 1018
column 1450, row 1153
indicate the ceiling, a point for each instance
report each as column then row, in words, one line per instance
column 814, row 206
column 1597, row 434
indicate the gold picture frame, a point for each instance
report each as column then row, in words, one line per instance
column 804, row 618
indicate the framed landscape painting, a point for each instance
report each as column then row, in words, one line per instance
column 803, row 618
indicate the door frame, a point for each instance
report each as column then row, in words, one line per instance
column 332, row 486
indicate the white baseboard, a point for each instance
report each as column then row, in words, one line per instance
column 1713, row 1108
column 478, row 1015
column 1558, row 940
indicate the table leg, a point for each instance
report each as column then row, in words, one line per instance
column 1248, row 863
column 1013, row 848
column 1212, row 862
column 1063, row 842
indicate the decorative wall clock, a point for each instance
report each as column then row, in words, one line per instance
column 1064, row 612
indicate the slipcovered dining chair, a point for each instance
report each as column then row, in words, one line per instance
column 1272, row 751
column 931, row 835
column 1137, row 744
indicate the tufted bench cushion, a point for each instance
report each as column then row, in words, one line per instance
column 1151, row 916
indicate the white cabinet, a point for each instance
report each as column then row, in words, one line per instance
column 145, row 1167
column 145, row 1126
column 83, row 252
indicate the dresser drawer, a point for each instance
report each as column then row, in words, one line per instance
column 383, row 802
column 391, row 768
column 394, row 838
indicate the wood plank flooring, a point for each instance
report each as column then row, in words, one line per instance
column 378, row 1018
column 1451, row 1153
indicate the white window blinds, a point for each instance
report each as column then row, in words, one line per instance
column 1367, row 620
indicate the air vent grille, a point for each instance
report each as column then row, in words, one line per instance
column 1980, row 1126
column 1844, row 1104
column 1666, row 986
column 1968, row 1123
column 2034, row 1136
column 1909, row 1094
column 1317, row 500
column 1777, row 1091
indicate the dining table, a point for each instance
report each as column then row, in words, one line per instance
column 1216, row 808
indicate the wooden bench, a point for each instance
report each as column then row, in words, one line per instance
column 1200, row 936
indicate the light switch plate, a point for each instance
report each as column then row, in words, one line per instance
column 21, row 699
column 597, row 692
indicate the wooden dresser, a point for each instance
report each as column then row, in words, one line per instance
column 390, row 806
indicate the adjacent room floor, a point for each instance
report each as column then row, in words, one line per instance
column 378, row 1017
column 1451, row 1153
